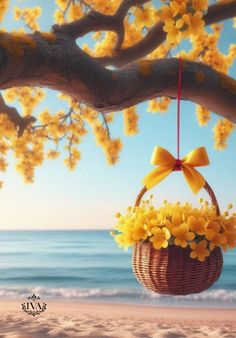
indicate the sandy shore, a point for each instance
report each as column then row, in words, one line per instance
column 74, row 319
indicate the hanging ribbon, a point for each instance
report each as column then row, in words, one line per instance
column 167, row 163
column 178, row 106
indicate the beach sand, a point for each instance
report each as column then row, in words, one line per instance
column 75, row 319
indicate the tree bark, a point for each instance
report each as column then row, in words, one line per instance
column 63, row 66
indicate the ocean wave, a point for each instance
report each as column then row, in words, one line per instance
column 219, row 296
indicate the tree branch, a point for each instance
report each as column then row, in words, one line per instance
column 224, row 9
column 20, row 122
column 150, row 79
column 63, row 66
column 154, row 38
column 106, row 125
column 95, row 21
column 126, row 5
column 92, row 22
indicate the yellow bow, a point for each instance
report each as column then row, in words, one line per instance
column 167, row 163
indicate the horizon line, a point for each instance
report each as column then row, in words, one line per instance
column 62, row 229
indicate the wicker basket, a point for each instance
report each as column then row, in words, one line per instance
column 172, row 271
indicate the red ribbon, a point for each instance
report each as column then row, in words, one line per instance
column 178, row 165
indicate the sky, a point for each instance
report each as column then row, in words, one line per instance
column 89, row 197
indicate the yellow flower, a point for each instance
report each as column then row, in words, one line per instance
column 130, row 121
column 160, row 237
column 3, row 148
column 75, row 12
column 58, row 17
column 199, row 250
column 228, row 224
column 124, row 240
column 212, row 229
column 200, row 5
column 143, row 17
column 53, row 154
column 3, row 164
column 172, row 31
column 159, row 105
column 203, row 115
column 196, row 23
column 172, row 223
column 218, row 240
column 178, row 7
column 190, row 24
column 139, row 232
column 182, row 235
column 230, row 239
column 132, row 35
column 197, row 224
column 180, row 23
column 62, row 4
column 29, row 15
column 17, row 13
column 176, row 220
column 222, row 131
column 3, row 7
column 165, row 13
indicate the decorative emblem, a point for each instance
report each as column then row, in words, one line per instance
column 34, row 306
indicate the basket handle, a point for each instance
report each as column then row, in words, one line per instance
column 207, row 187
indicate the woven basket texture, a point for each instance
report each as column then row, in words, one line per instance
column 172, row 271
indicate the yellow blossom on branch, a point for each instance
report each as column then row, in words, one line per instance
column 62, row 4
column 3, row 7
column 222, row 131
column 130, row 121
column 200, row 5
column 29, row 16
column 3, row 164
column 132, row 34
column 59, row 17
column 173, row 33
column 159, row 105
column 182, row 18
column 75, row 12
column 203, row 115
column 143, row 17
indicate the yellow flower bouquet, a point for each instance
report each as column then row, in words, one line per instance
column 201, row 229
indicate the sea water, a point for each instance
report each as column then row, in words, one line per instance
column 88, row 266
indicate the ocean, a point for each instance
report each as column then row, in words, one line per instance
column 88, row 266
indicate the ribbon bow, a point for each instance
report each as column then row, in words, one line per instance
column 167, row 163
